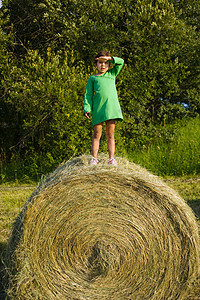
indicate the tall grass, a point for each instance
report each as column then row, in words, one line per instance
column 180, row 156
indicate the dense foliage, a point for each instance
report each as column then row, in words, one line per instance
column 46, row 53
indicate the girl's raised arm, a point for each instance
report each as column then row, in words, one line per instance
column 118, row 64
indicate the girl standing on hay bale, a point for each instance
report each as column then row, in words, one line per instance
column 101, row 99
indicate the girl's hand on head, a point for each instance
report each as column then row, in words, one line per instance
column 104, row 58
column 86, row 114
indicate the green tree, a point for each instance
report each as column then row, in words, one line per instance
column 152, row 83
column 158, row 38
column 47, row 96
column 189, row 13
column 8, row 124
column 159, row 41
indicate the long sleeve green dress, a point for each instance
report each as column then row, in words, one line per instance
column 101, row 95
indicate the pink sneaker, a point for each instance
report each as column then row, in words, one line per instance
column 94, row 161
column 112, row 161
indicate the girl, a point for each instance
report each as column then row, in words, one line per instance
column 101, row 99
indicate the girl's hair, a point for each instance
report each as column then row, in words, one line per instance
column 101, row 53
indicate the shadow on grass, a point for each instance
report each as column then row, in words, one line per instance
column 3, row 247
column 195, row 205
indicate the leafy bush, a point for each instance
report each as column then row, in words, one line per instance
column 47, row 97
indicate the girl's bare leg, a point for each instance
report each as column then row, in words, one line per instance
column 96, row 139
column 110, row 129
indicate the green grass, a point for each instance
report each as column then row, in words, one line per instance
column 12, row 201
column 177, row 156
column 189, row 189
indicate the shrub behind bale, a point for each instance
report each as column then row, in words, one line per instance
column 104, row 232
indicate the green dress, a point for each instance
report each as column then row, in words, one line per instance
column 101, row 95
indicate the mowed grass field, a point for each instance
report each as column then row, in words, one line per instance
column 13, row 197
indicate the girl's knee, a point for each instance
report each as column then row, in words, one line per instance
column 110, row 131
column 110, row 128
column 97, row 131
column 110, row 135
column 97, row 135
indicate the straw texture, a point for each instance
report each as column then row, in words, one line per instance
column 104, row 232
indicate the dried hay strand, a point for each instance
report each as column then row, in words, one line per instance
column 104, row 232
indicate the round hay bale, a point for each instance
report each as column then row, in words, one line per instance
column 104, row 232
